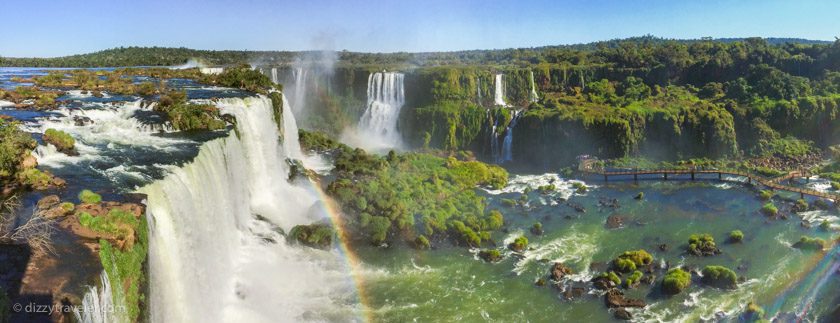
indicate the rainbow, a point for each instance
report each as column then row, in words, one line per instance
column 810, row 285
column 333, row 212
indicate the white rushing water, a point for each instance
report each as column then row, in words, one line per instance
column 499, row 98
column 378, row 126
column 507, row 143
column 215, row 254
column 299, row 95
column 533, row 95
column 98, row 304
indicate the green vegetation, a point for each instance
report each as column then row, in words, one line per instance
column 808, row 243
column 31, row 97
column 490, row 255
column 116, row 222
column 676, row 280
column 61, row 140
column 15, row 146
column 766, row 195
column 753, row 313
column 719, row 276
column 421, row 242
column 545, row 189
column 629, row 261
column 403, row 195
column 186, row 116
column 124, row 268
column 89, row 197
column 579, row 187
column 825, row 225
column 314, row 235
column 640, row 196
column 800, row 205
column 702, row 245
column 610, row 276
column 519, row 244
column 242, row 77
column 736, row 236
column 634, row 279
column 537, row 228
column 769, row 209
column 68, row 207
column 317, row 141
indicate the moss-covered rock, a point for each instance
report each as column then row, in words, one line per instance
column 61, row 140
column 675, row 281
column 808, row 243
column 629, row 261
column 313, row 235
column 89, row 197
column 702, row 245
column 719, row 276
column 736, row 236
column 490, row 255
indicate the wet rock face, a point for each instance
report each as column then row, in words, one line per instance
column 559, row 271
column 615, row 298
column 622, row 314
column 615, row 222
column 51, row 207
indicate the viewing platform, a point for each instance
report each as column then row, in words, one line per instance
column 587, row 165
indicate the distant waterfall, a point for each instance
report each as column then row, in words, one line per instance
column 507, row 143
column 533, row 96
column 299, row 95
column 500, row 90
column 216, row 248
column 494, row 140
column 274, row 77
column 385, row 98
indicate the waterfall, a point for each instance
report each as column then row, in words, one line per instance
column 216, row 248
column 500, row 90
column 507, row 143
column 494, row 140
column 385, row 98
column 98, row 304
column 533, row 96
column 299, row 98
column 274, row 77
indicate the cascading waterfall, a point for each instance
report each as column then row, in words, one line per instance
column 300, row 75
column 533, row 95
column 274, row 77
column 499, row 98
column 98, row 304
column 494, row 140
column 507, row 143
column 216, row 249
column 386, row 96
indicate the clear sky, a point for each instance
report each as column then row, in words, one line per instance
column 46, row 28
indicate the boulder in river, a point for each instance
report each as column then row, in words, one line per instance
column 615, row 298
column 559, row 271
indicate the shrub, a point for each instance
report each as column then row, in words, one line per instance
column 769, row 209
column 422, row 242
column 753, row 313
column 736, row 236
column 633, row 279
column 519, row 244
column 630, row 260
column 508, row 202
column 89, row 197
column 766, row 195
column 68, row 207
column 611, row 276
column 537, row 228
column 676, row 280
column 808, row 243
column 490, row 255
column 801, row 205
column 547, row 188
column 825, row 225
column 61, row 140
column 720, row 277
column 640, row 196
column 579, row 187
column 313, row 235
column 702, row 244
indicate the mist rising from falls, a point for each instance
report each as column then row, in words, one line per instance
column 216, row 252
column 533, row 97
column 499, row 98
column 377, row 128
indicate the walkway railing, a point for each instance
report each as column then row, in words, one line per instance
column 772, row 183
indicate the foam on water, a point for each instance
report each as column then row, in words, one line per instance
column 519, row 183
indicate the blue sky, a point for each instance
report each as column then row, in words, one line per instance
column 53, row 28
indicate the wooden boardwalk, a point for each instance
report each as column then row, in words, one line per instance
column 771, row 183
